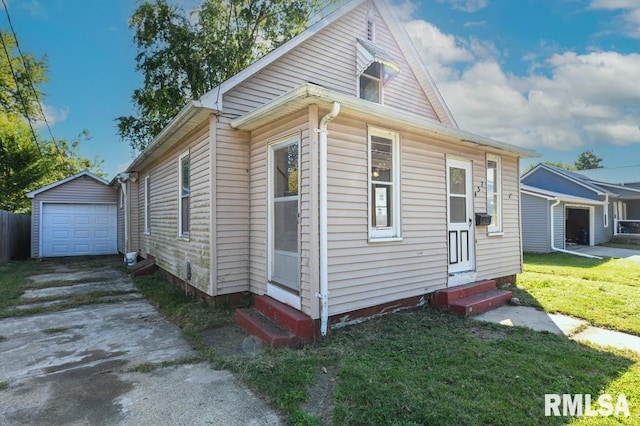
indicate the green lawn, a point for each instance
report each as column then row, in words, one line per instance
column 604, row 292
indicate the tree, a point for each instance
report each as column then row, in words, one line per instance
column 184, row 56
column 27, row 161
column 588, row 160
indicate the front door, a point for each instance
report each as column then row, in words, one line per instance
column 460, row 216
column 284, row 260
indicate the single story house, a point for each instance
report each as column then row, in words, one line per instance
column 74, row 216
column 562, row 208
column 330, row 176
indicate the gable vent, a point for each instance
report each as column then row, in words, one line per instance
column 371, row 31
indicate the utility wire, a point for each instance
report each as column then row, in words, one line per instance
column 29, row 81
column 22, row 100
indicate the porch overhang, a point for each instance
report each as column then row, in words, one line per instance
column 557, row 196
column 308, row 94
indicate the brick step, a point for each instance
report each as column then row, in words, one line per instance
column 298, row 323
column 445, row 297
column 479, row 303
column 269, row 332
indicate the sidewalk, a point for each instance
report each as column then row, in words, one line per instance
column 573, row 328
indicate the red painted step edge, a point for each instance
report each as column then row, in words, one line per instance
column 270, row 333
column 290, row 318
column 479, row 303
column 445, row 297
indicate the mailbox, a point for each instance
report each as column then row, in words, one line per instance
column 483, row 219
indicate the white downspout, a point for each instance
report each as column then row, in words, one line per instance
column 122, row 180
column 553, row 246
column 324, row 253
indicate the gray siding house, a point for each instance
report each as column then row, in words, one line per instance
column 330, row 176
column 562, row 208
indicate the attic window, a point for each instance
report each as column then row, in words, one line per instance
column 375, row 69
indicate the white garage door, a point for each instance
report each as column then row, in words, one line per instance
column 78, row 229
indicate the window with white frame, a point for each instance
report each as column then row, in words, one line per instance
column 147, row 204
column 184, row 195
column 384, row 184
column 494, row 193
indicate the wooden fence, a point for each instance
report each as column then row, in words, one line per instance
column 15, row 236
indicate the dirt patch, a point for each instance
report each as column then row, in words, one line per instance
column 486, row 334
column 229, row 340
column 320, row 403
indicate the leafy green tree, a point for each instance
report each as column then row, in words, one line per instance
column 27, row 161
column 183, row 56
column 588, row 160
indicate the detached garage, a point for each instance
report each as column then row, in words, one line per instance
column 76, row 216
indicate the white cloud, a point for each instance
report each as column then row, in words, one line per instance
column 628, row 20
column 53, row 115
column 469, row 6
column 566, row 101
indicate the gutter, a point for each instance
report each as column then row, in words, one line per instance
column 324, row 253
column 554, row 248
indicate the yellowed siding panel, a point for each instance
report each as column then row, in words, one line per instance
column 171, row 252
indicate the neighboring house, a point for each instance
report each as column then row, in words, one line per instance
column 328, row 175
column 561, row 208
column 73, row 217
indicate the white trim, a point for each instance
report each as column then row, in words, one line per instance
column 183, row 235
column 307, row 94
column 498, row 188
column 147, row 202
column 284, row 296
column 32, row 194
column 377, row 234
column 275, row 291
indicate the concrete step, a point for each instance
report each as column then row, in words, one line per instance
column 296, row 322
column 256, row 324
column 445, row 297
column 481, row 302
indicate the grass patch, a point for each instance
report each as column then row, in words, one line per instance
column 2, row 338
column 604, row 292
column 4, row 385
column 55, row 330
column 63, row 283
column 622, row 245
column 13, row 280
column 190, row 314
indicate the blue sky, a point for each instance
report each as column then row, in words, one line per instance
column 558, row 76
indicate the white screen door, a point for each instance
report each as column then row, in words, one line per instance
column 284, row 276
column 460, row 216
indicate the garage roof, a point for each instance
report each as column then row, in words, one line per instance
column 32, row 194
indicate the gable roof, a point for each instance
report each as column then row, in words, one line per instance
column 614, row 175
column 307, row 94
column 600, row 188
column 568, row 175
column 213, row 98
column 32, row 194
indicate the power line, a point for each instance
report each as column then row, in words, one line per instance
column 29, row 81
column 22, row 100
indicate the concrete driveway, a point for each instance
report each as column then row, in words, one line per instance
column 72, row 367
column 616, row 253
